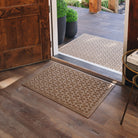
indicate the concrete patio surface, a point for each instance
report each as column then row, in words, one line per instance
column 103, row 24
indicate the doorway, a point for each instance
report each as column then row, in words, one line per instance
column 98, row 69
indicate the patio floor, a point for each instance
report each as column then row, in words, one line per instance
column 103, row 24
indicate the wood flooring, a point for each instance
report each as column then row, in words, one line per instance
column 26, row 114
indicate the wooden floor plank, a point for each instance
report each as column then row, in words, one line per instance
column 25, row 113
column 12, row 128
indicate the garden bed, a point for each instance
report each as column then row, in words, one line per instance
column 85, row 3
column 78, row 3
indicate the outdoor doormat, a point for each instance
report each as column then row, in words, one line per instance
column 71, row 88
column 98, row 50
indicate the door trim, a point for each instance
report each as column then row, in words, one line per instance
column 54, row 28
column 126, row 32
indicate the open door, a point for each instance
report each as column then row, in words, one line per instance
column 133, row 25
column 24, row 32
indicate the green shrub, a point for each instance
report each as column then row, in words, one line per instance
column 61, row 8
column 87, row 1
column 85, row 4
column 72, row 15
column 75, row 3
column 104, row 3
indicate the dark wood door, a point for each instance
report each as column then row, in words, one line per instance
column 132, row 32
column 133, row 25
column 24, row 32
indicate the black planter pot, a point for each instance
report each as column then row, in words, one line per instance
column 71, row 29
column 61, row 29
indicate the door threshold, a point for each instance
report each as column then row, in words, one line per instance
column 92, row 69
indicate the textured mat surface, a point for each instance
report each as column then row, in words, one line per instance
column 98, row 50
column 71, row 88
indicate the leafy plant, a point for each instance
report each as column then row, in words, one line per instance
column 104, row 3
column 61, row 8
column 75, row 3
column 87, row 1
column 72, row 15
column 78, row 3
column 85, row 4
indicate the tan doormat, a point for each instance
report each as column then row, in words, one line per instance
column 71, row 88
column 98, row 50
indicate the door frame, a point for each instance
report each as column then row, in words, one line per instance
column 55, row 32
column 53, row 27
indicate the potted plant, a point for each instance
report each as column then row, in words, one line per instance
column 71, row 26
column 61, row 14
